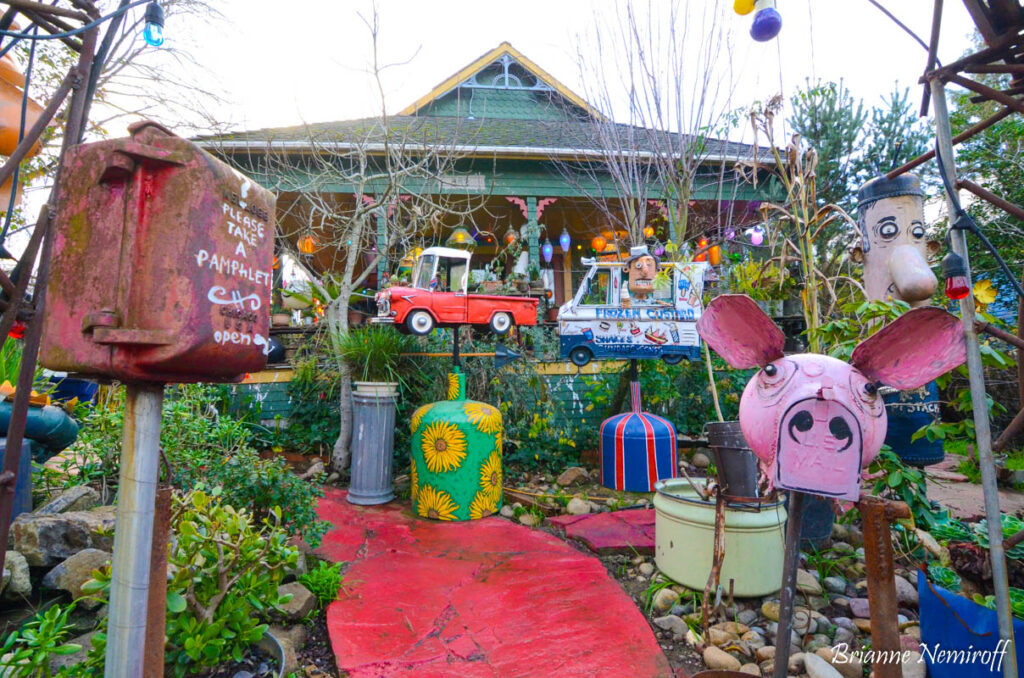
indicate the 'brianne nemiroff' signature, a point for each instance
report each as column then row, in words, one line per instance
column 933, row 655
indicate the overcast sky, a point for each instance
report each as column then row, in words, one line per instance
column 308, row 61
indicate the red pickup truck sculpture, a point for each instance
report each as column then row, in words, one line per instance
column 438, row 297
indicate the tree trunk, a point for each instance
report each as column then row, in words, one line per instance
column 337, row 318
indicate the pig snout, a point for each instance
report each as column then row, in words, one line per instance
column 913, row 279
column 820, row 425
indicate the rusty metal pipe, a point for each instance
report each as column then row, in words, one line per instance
column 963, row 136
column 33, row 134
column 47, row 9
column 156, row 604
column 784, row 631
column 880, row 572
column 987, row 328
column 133, row 535
column 990, row 197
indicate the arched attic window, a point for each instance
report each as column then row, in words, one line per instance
column 506, row 73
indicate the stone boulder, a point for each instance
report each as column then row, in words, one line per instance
column 48, row 539
column 19, row 585
column 572, row 476
column 75, row 571
column 77, row 498
column 301, row 604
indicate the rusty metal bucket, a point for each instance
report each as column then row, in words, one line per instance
column 736, row 463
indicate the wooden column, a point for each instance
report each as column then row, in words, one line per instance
column 532, row 232
column 382, row 244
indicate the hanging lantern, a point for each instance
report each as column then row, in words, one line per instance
column 715, row 255
column 730, row 233
column 599, row 243
column 767, row 22
column 460, row 237
column 756, row 235
column 307, row 244
column 659, row 250
column 743, row 7
column 511, row 236
column 277, row 264
column 702, row 249
column 547, row 250
column 649, row 232
column 564, row 241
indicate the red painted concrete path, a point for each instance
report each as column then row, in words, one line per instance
column 628, row 532
column 479, row 598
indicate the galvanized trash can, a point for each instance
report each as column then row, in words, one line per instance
column 456, row 469
column 735, row 461
column 373, row 442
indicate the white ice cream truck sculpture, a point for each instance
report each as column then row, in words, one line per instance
column 623, row 310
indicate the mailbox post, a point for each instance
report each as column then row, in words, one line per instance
column 161, row 272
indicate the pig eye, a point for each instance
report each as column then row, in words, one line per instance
column 917, row 231
column 871, row 389
column 771, row 370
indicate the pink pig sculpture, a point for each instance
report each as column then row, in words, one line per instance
column 815, row 421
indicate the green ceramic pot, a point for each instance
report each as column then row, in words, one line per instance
column 456, row 457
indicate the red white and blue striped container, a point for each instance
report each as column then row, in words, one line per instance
column 637, row 449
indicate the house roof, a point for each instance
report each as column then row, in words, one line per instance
column 486, row 59
column 486, row 136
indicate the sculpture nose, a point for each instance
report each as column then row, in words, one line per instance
column 911, row 275
column 827, row 389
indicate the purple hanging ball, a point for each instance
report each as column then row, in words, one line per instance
column 767, row 24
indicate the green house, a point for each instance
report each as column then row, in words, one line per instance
column 520, row 158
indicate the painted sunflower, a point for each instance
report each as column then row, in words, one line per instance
column 487, row 419
column 435, row 504
column 414, row 480
column 490, row 476
column 444, row 446
column 483, row 505
column 453, row 386
column 417, row 417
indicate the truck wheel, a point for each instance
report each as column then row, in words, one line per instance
column 580, row 356
column 419, row 322
column 501, row 323
column 672, row 358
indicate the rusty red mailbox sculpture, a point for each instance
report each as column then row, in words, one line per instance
column 161, row 267
column 815, row 421
column 160, row 272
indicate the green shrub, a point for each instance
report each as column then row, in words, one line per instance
column 27, row 651
column 227, row 568
column 324, row 581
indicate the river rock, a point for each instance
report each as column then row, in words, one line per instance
column 863, row 625
column 19, row 586
column 577, row 507
column 296, row 633
column 573, row 475
column 700, row 460
column 747, row 617
column 906, row 593
column 48, row 539
column 834, row 584
column 58, row 662
column 507, row 511
column 914, row 666
column 910, row 643
column 75, row 571
column 529, row 519
column 844, row 663
column 664, row 600
column 860, row 607
column 807, row 583
column 843, row 636
column 751, row 669
column 796, row 662
column 672, row 623
column 770, row 610
column 734, row 628
column 802, row 622
column 819, row 668
column 77, row 498
column 719, row 637
column 764, row 654
column 844, row 623
column 301, row 604
column 718, row 659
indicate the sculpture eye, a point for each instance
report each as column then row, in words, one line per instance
column 917, row 231
column 770, row 370
column 773, row 374
column 871, row 389
column 888, row 230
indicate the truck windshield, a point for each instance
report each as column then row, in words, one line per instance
column 596, row 293
column 424, row 272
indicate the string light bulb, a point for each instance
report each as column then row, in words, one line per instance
column 599, row 243
column 153, row 33
column 955, row 272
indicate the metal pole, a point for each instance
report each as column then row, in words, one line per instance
column 133, row 538
column 975, row 371
column 878, row 561
column 784, row 631
column 156, row 613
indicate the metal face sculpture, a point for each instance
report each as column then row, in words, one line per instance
column 894, row 246
column 815, row 421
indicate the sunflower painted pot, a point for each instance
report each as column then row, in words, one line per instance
column 456, row 457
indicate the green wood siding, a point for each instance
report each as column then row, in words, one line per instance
column 507, row 104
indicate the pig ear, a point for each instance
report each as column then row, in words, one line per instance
column 740, row 332
column 913, row 349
